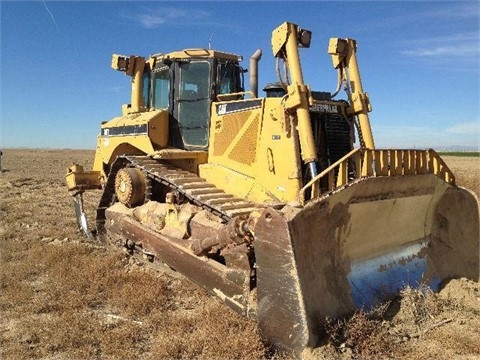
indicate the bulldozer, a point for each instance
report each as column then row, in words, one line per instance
column 280, row 205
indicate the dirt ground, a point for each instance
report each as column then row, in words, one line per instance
column 62, row 297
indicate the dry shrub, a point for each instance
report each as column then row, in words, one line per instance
column 418, row 307
column 361, row 335
column 198, row 326
column 89, row 302
column 387, row 331
column 373, row 335
column 138, row 295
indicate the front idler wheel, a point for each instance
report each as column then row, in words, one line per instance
column 130, row 185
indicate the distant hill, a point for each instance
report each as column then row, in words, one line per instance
column 457, row 148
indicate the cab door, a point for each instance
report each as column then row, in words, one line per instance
column 192, row 104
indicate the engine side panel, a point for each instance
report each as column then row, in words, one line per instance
column 254, row 151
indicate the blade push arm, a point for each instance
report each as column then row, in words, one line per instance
column 344, row 57
column 286, row 40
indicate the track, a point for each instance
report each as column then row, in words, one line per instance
column 197, row 190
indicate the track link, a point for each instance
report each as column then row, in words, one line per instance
column 194, row 188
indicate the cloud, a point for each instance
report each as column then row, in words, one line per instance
column 441, row 17
column 445, row 12
column 453, row 46
column 153, row 18
column 50, row 13
column 444, row 51
column 464, row 128
column 160, row 16
column 425, row 13
column 150, row 21
column 458, row 10
column 116, row 89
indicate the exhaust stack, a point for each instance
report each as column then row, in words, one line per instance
column 254, row 59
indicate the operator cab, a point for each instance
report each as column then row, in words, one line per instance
column 186, row 83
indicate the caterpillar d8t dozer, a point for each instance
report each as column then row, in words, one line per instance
column 268, row 202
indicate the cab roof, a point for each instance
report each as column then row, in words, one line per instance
column 197, row 53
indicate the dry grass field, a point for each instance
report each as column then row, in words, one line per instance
column 62, row 297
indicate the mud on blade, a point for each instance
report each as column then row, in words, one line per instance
column 359, row 247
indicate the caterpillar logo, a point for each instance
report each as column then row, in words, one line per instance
column 325, row 108
column 229, row 108
column 222, row 109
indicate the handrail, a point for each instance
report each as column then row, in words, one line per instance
column 226, row 97
column 362, row 163
column 328, row 170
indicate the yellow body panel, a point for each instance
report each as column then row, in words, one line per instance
column 156, row 121
column 134, row 133
column 253, row 151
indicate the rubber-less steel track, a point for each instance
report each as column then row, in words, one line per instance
column 197, row 190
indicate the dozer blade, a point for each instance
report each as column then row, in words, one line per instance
column 358, row 247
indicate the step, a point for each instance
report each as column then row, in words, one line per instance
column 237, row 212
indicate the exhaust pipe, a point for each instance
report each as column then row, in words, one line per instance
column 254, row 59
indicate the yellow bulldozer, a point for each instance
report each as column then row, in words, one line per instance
column 279, row 205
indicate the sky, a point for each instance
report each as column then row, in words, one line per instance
column 419, row 61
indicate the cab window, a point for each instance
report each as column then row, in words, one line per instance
column 161, row 88
column 146, row 89
column 228, row 78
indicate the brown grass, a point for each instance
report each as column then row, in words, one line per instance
column 62, row 297
column 466, row 170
